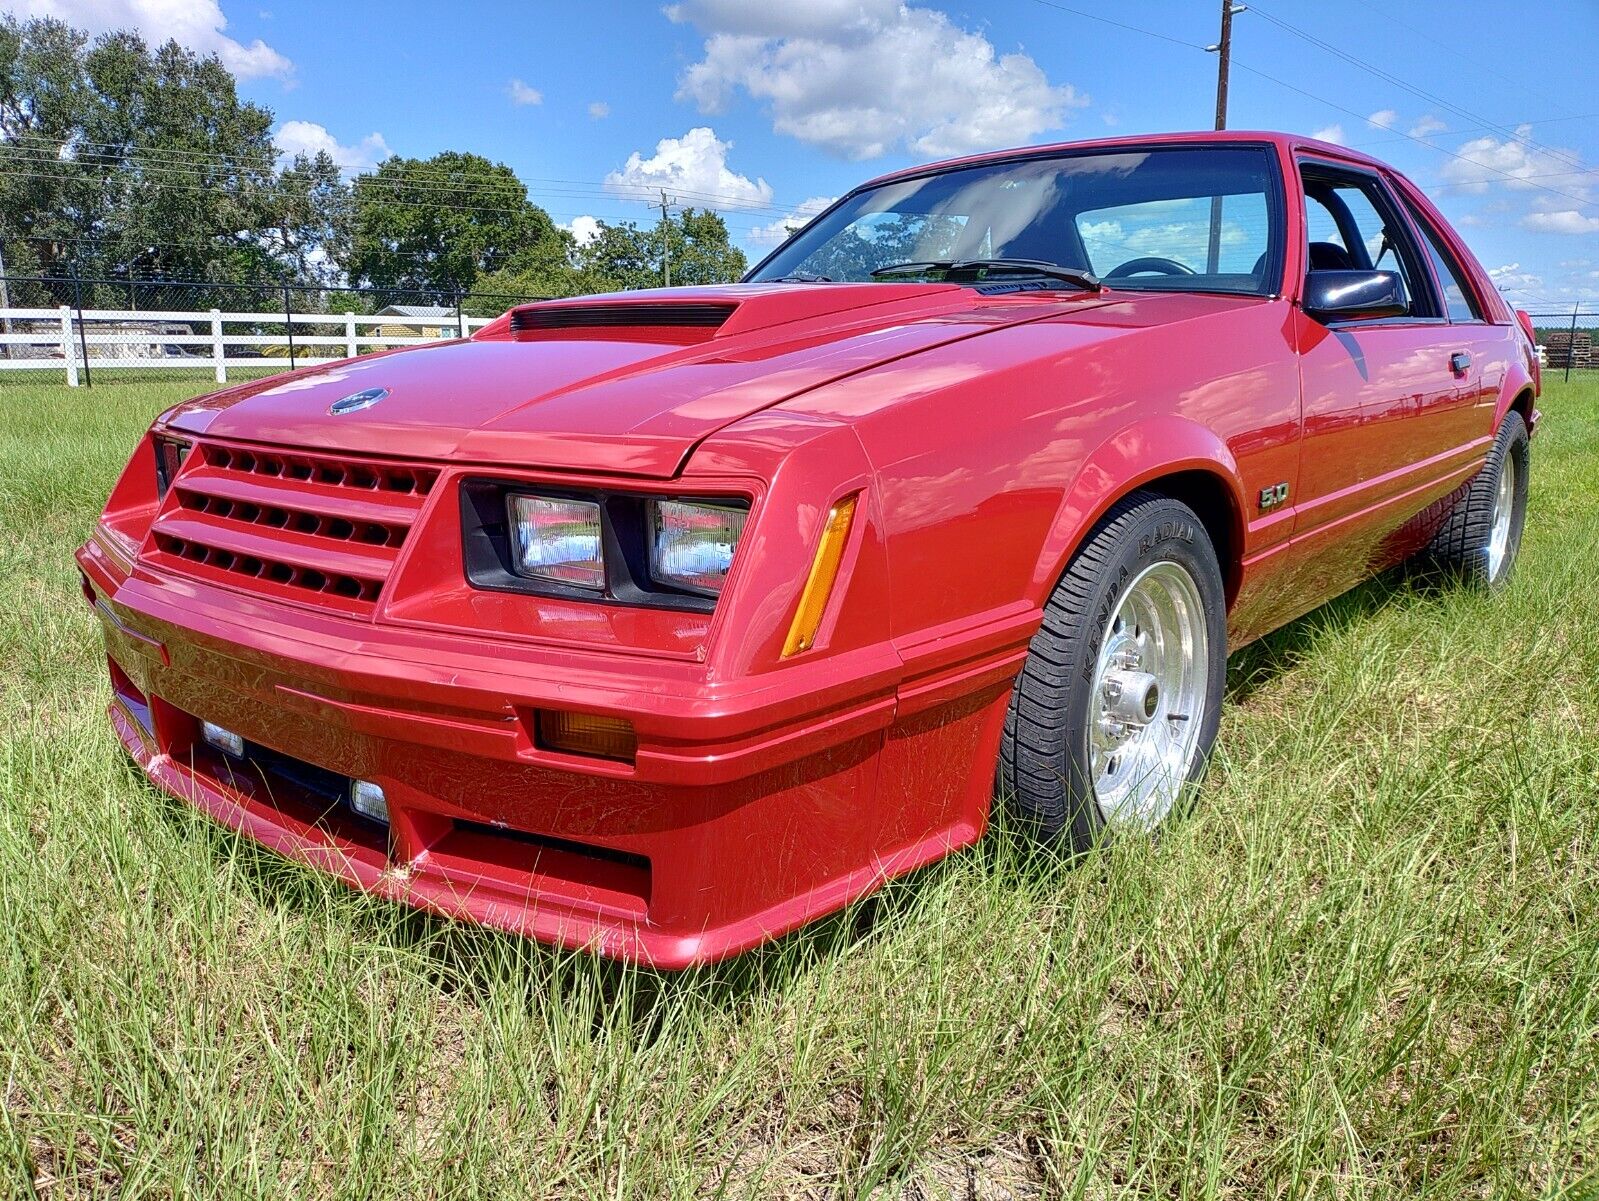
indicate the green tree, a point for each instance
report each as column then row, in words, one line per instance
column 310, row 219
column 628, row 256
column 116, row 158
column 439, row 224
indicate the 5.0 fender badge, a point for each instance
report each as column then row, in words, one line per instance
column 356, row 401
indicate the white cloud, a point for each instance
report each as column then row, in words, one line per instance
column 1330, row 133
column 862, row 78
column 307, row 138
column 779, row 230
column 1565, row 221
column 583, row 229
column 1513, row 163
column 1385, row 118
column 599, row 110
column 521, row 94
column 694, row 169
column 1427, row 126
column 196, row 24
column 1511, row 278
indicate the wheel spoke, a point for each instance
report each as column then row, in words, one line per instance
column 1141, row 754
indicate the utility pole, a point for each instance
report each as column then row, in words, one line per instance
column 1224, row 55
column 1224, row 52
column 666, row 240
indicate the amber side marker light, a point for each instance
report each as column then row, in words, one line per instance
column 587, row 734
column 819, row 584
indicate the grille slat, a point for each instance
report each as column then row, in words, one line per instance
column 319, row 554
column 390, row 509
column 312, row 527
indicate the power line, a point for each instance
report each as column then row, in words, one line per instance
column 1477, row 60
column 178, row 178
column 1465, row 129
column 1309, row 95
column 1092, row 16
column 1419, row 141
column 151, row 159
column 1397, row 81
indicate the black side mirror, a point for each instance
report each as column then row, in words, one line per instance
column 1348, row 294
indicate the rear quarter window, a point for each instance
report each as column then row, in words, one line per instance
column 1460, row 302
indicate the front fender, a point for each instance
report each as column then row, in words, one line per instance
column 1135, row 455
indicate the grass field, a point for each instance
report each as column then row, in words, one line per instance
column 1366, row 966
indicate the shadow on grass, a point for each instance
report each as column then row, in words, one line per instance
column 1267, row 658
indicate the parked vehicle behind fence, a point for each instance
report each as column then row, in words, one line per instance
column 664, row 622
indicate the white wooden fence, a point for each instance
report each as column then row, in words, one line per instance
column 64, row 339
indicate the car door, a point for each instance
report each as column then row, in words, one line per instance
column 1478, row 349
column 1376, row 392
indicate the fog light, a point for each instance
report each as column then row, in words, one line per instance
column 367, row 799
column 225, row 741
column 587, row 734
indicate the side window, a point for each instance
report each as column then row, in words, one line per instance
column 1351, row 225
column 1459, row 300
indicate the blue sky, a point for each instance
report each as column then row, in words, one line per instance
column 760, row 106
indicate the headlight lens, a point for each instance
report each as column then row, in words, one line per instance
column 557, row 539
column 692, row 545
column 169, row 456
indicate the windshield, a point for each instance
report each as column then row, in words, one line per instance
column 1177, row 219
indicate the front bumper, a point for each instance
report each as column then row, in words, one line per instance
column 748, row 812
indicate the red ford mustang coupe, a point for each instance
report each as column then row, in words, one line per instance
column 663, row 622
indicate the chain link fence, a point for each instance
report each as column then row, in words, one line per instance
column 1568, row 339
column 71, row 328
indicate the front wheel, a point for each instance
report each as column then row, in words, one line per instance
column 1116, row 708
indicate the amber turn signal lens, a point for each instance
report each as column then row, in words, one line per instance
column 819, row 584
column 587, row 734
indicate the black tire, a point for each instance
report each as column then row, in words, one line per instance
column 1460, row 548
column 1044, row 775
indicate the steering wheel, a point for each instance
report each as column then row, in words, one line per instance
column 1152, row 264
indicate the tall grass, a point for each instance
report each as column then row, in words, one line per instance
column 1367, row 965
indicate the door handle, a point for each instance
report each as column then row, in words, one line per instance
column 1460, row 362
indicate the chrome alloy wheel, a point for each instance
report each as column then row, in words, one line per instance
column 1499, row 523
column 1149, row 692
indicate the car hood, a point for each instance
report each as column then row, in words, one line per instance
column 623, row 384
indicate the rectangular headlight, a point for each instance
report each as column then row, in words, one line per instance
column 692, row 544
column 557, row 539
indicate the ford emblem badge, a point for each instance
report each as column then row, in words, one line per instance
column 356, row 401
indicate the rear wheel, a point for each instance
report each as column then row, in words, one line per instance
column 1481, row 537
column 1117, row 705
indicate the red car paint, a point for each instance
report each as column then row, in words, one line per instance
column 984, row 436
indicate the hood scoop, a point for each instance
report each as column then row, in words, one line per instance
column 691, row 316
column 679, row 323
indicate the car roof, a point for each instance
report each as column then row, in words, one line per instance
column 1288, row 141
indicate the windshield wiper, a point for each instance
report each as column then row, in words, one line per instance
column 1086, row 280
column 799, row 278
column 915, row 267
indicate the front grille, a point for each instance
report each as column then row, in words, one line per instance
column 309, row 527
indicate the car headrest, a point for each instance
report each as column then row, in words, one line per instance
column 1329, row 256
